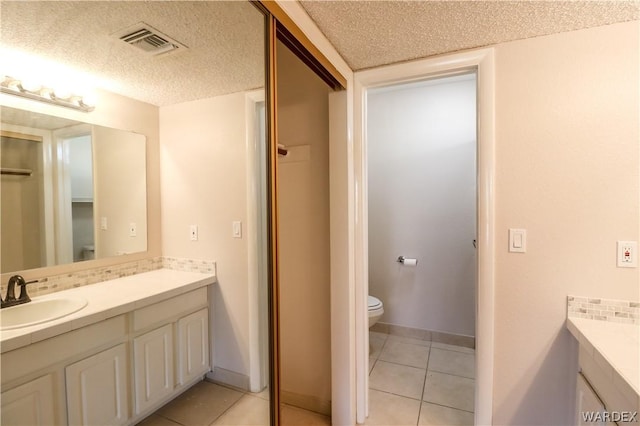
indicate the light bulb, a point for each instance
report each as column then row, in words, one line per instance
column 61, row 93
column 88, row 100
column 30, row 85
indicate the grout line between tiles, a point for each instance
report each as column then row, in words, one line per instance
column 452, row 374
column 396, row 394
column 424, row 384
column 403, row 365
column 164, row 417
column 453, row 350
column 447, row 406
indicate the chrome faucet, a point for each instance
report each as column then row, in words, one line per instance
column 10, row 299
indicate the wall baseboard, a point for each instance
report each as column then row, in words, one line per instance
column 230, row 378
column 308, row 402
column 429, row 335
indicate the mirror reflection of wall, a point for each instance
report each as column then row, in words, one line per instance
column 120, row 192
column 22, row 197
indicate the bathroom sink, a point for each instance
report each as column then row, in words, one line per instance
column 39, row 311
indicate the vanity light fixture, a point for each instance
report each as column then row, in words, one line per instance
column 37, row 92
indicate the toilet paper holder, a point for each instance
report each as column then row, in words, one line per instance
column 402, row 259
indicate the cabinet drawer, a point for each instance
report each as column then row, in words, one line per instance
column 169, row 309
column 60, row 348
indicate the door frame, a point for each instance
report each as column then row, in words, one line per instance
column 481, row 61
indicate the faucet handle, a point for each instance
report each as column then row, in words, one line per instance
column 24, row 297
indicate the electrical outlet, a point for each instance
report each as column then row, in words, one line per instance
column 627, row 254
column 193, row 232
column 133, row 230
column 103, row 223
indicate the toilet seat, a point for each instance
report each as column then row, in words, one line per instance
column 374, row 303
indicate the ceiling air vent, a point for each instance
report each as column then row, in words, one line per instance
column 149, row 40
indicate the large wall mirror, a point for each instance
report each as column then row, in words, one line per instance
column 70, row 191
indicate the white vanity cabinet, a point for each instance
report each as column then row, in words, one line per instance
column 113, row 371
column 607, row 361
column 97, row 389
column 29, row 404
column 154, row 363
column 170, row 348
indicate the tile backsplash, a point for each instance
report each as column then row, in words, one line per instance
column 621, row 311
column 67, row 281
column 189, row 265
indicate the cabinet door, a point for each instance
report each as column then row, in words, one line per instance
column 30, row 404
column 97, row 389
column 193, row 346
column 588, row 404
column 153, row 367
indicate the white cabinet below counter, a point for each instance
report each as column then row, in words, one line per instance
column 193, row 346
column 154, row 364
column 609, row 365
column 30, row 404
column 153, row 367
column 97, row 389
column 111, row 372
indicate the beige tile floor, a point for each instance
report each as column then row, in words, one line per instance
column 417, row 382
column 411, row 382
column 209, row 404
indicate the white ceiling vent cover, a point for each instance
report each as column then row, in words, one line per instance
column 148, row 39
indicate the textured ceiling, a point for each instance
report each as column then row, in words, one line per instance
column 373, row 33
column 225, row 39
column 225, row 43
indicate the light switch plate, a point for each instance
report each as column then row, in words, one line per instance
column 237, row 229
column 133, row 229
column 517, row 240
column 193, row 232
column 627, row 254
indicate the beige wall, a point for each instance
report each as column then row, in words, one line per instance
column 117, row 112
column 567, row 154
column 203, row 161
column 303, row 197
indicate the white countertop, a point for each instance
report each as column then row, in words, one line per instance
column 617, row 344
column 108, row 299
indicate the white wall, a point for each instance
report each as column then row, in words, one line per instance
column 567, row 155
column 203, row 164
column 421, row 151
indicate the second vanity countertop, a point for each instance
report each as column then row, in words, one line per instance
column 108, row 299
column 615, row 347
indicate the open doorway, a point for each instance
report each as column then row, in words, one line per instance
column 482, row 63
column 421, row 159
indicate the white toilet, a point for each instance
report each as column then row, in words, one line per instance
column 375, row 310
